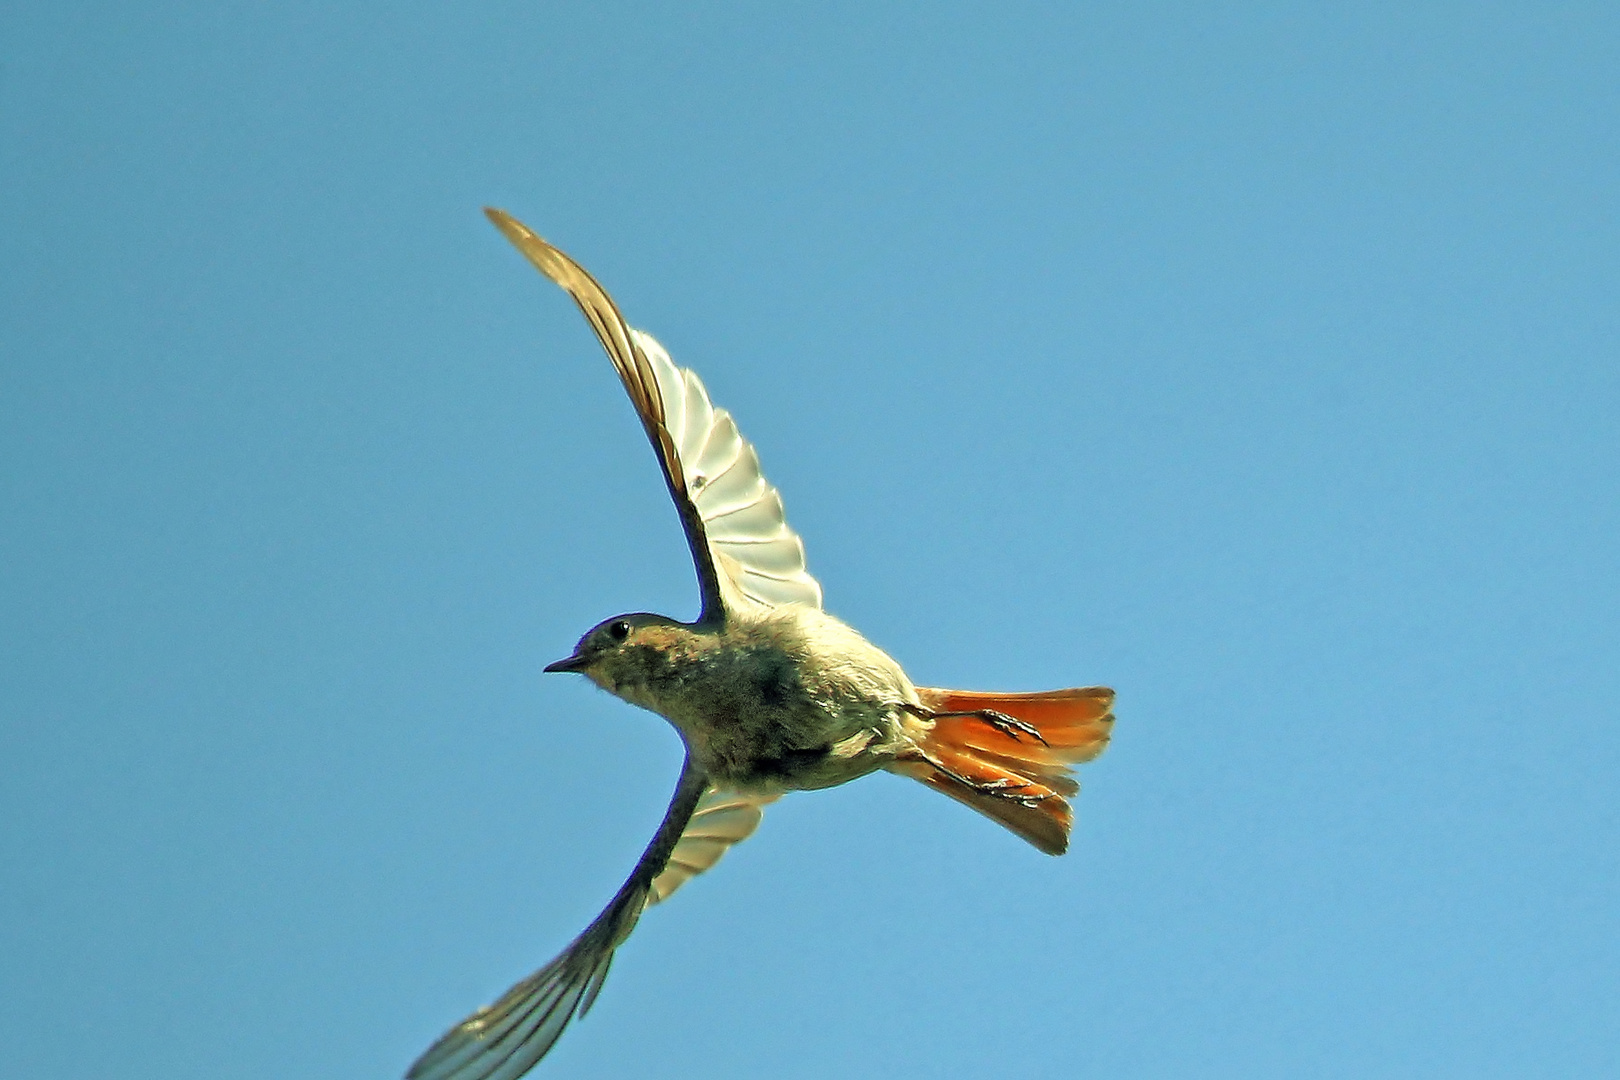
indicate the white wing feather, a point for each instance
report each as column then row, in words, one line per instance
column 722, row 819
column 744, row 551
column 754, row 550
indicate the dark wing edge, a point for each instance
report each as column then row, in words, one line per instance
column 722, row 819
column 636, row 372
column 504, row 1040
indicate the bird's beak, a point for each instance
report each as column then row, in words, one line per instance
column 573, row 663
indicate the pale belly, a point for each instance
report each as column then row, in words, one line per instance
column 795, row 702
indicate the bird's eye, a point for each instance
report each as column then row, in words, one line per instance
column 618, row 630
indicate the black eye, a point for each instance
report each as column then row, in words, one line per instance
column 618, row 629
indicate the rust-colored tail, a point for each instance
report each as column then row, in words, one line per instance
column 1008, row 755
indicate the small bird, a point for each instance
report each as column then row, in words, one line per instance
column 770, row 694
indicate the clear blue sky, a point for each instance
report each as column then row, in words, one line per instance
column 1262, row 364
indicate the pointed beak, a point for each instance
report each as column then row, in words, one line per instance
column 573, row 663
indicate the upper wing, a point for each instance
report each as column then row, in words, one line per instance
column 734, row 520
column 503, row 1041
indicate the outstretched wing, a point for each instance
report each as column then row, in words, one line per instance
column 744, row 551
column 722, row 818
column 503, row 1041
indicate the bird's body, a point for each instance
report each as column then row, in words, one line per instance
column 769, row 692
column 784, row 699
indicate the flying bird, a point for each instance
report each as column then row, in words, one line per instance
column 770, row 694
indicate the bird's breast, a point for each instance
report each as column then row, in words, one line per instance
column 765, row 709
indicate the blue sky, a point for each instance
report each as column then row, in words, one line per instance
column 1260, row 363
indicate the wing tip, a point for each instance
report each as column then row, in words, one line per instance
column 549, row 259
column 505, row 222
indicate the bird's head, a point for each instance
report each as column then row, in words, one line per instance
column 626, row 650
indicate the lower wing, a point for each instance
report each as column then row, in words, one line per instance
column 504, row 1040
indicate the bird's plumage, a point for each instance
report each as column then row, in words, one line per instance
column 962, row 752
column 769, row 692
column 502, row 1041
column 723, row 817
column 744, row 551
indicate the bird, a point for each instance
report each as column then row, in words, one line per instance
column 769, row 693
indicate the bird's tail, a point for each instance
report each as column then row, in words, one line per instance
column 1008, row 756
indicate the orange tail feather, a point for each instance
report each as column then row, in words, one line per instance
column 1018, row 772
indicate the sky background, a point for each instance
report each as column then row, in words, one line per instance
column 1261, row 364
